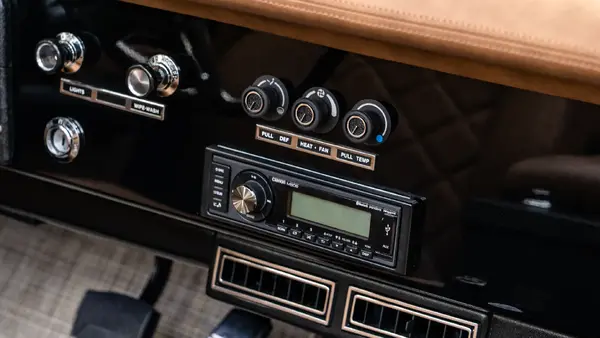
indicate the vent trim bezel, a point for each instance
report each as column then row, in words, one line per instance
column 355, row 293
column 218, row 284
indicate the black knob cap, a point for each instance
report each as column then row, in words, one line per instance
column 309, row 114
column 266, row 98
column 360, row 126
column 317, row 110
column 258, row 102
column 369, row 122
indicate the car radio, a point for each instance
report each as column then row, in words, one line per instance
column 310, row 209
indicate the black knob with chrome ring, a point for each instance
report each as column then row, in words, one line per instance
column 251, row 196
column 317, row 110
column 266, row 98
column 160, row 74
column 369, row 122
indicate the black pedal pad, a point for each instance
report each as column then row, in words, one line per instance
column 242, row 324
column 114, row 315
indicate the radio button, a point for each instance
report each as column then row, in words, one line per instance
column 352, row 249
column 218, row 205
column 282, row 228
column 296, row 232
column 324, row 241
column 309, row 237
column 338, row 245
column 366, row 254
column 220, row 170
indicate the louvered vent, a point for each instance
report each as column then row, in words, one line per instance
column 373, row 315
column 272, row 285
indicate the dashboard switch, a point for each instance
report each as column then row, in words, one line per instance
column 64, row 138
column 160, row 74
column 62, row 54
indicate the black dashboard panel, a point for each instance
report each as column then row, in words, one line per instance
column 125, row 138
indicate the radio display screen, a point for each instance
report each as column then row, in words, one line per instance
column 330, row 214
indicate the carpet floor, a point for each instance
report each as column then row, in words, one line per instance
column 45, row 271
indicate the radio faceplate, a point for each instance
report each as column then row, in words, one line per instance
column 361, row 223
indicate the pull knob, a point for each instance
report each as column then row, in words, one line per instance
column 160, row 74
column 266, row 98
column 248, row 198
column 64, row 138
column 368, row 122
column 64, row 53
column 318, row 110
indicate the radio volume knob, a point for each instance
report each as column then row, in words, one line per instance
column 251, row 195
column 248, row 198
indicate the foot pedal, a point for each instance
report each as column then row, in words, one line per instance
column 242, row 324
column 113, row 315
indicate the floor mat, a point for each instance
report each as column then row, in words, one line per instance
column 45, row 271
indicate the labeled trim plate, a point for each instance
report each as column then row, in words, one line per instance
column 112, row 99
column 316, row 147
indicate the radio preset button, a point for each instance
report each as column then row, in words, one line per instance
column 352, row 249
column 338, row 245
column 366, row 254
column 309, row 237
column 296, row 232
column 324, row 241
column 282, row 228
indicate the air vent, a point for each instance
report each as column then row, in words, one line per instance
column 272, row 285
column 373, row 315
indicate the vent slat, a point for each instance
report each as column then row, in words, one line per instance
column 273, row 285
column 375, row 317
column 269, row 283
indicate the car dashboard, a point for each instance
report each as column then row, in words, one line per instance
column 344, row 193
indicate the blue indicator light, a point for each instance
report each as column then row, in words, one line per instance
column 379, row 138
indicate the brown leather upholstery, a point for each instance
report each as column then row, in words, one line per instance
column 556, row 38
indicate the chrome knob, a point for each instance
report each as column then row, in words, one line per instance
column 161, row 73
column 64, row 53
column 64, row 138
column 248, row 198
